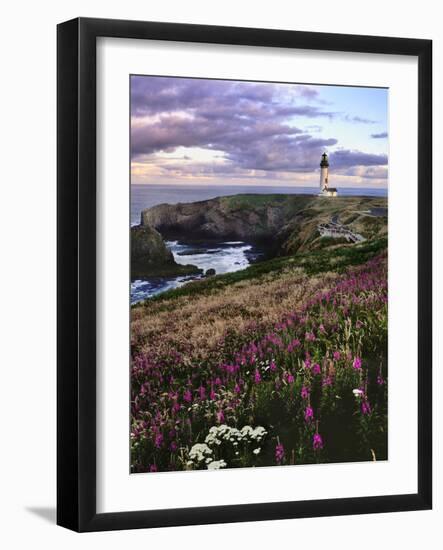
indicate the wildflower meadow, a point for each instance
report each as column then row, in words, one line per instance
column 243, row 376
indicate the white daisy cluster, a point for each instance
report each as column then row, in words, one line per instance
column 216, row 465
column 203, row 453
column 247, row 434
column 200, row 452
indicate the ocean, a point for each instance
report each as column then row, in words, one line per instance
column 223, row 256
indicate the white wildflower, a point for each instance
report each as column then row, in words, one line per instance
column 216, row 465
column 199, row 452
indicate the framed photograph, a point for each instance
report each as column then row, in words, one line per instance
column 244, row 274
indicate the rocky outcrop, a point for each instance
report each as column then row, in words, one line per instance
column 151, row 257
column 242, row 217
column 286, row 222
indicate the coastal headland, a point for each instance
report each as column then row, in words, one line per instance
column 283, row 224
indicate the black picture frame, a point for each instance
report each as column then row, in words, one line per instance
column 76, row 265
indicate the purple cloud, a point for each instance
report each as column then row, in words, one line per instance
column 344, row 158
column 381, row 135
column 253, row 124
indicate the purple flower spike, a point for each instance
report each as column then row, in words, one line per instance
column 316, row 369
column 357, row 363
column 305, row 392
column 365, row 407
column 187, row 396
column 317, row 442
column 309, row 414
column 279, row 453
column 158, row 442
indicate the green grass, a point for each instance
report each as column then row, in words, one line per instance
column 337, row 259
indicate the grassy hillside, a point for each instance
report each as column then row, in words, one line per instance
column 335, row 259
column 288, row 222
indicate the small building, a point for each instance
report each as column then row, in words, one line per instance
column 325, row 190
column 329, row 192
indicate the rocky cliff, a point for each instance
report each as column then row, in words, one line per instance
column 243, row 217
column 151, row 257
column 289, row 222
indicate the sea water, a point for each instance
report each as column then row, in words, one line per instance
column 223, row 256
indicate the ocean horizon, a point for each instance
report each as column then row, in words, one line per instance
column 145, row 196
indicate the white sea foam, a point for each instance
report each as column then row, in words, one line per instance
column 224, row 257
column 142, row 289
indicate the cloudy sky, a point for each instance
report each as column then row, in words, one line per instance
column 196, row 131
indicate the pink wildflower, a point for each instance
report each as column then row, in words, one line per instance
column 279, row 453
column 357, row 363
column 187, row 396
column 309, row 414
column 317, row 442
column 305, row 391
column 365, row 407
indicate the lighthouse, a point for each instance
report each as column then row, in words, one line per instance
column 325, row 190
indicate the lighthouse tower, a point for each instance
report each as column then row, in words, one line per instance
column 325, row 190
column 324, row 173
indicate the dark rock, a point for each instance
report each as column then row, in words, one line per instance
column 151, row 257
column 210, row 272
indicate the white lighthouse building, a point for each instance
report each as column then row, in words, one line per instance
column 325, row 190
